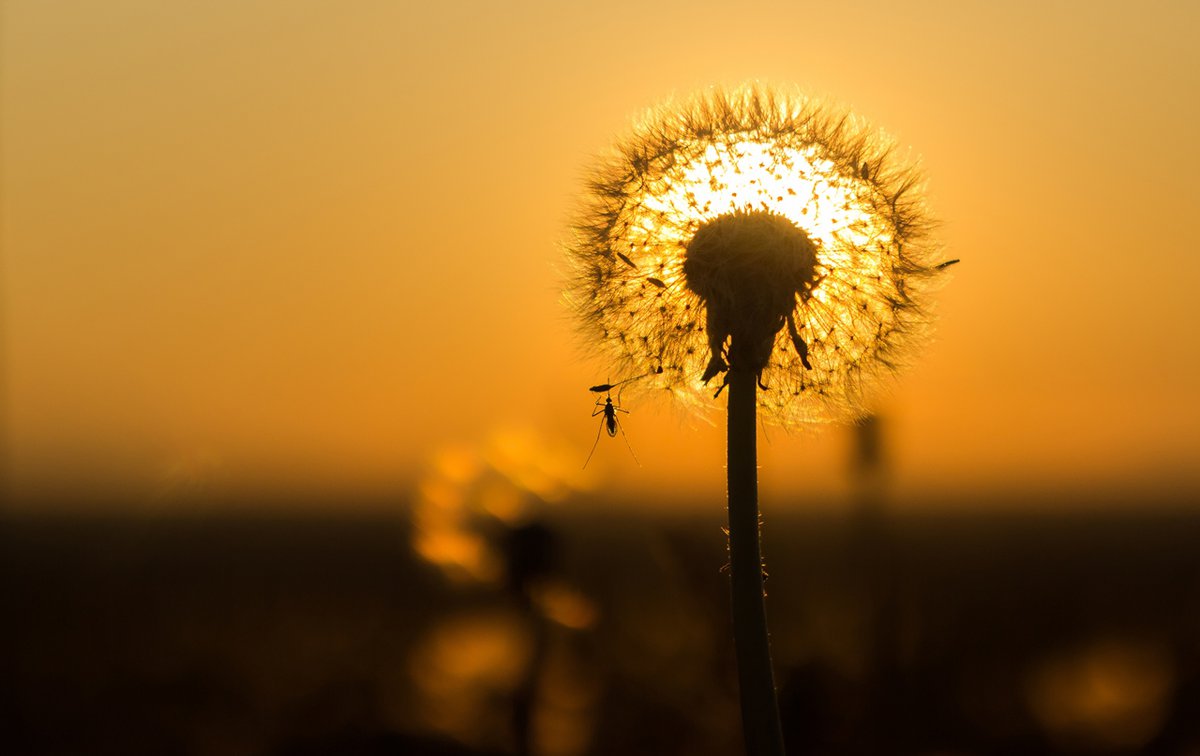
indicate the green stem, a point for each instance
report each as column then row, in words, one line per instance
column 760, row 708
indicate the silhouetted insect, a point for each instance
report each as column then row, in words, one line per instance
column 609, row 422
column 947, row 264
column 626, row 260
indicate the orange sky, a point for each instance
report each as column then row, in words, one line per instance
column 309, row 244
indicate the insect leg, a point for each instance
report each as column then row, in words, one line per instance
column 627, row 444
column 594, row 445
column 600, row 407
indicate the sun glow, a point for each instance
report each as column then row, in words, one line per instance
column 747, row 176
column 751, row 152
column 832, row 208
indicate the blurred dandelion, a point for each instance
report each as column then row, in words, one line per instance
column 470, row 493
column 759, row 237
column 478, row 515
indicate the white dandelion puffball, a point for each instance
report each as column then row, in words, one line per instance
column 760, row 230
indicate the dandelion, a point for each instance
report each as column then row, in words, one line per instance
column 748, row 239
column 795, row 221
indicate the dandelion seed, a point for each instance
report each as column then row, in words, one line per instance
column 845, row 250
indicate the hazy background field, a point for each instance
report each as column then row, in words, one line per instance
column 950, row 633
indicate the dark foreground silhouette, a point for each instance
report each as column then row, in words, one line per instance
column 963, row 633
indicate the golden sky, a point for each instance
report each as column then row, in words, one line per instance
column 307, row 245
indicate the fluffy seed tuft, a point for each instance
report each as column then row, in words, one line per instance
column 764, row 222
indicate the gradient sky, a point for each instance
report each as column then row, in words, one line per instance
column 307, row 245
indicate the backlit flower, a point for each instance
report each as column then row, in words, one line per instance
column 770, row 192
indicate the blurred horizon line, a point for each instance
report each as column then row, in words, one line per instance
column 346, row 502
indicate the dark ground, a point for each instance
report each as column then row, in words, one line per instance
column 960, row 633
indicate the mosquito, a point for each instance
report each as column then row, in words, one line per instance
column 609, row 422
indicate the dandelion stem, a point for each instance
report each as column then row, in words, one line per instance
column 760, row 708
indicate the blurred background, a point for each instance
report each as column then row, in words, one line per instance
column 293, row 417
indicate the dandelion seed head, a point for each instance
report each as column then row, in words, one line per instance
column 761, row 227
column 748, row 268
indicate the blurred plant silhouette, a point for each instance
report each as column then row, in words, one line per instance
column 478, row 515
column 767, row 238
column 471, row 492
